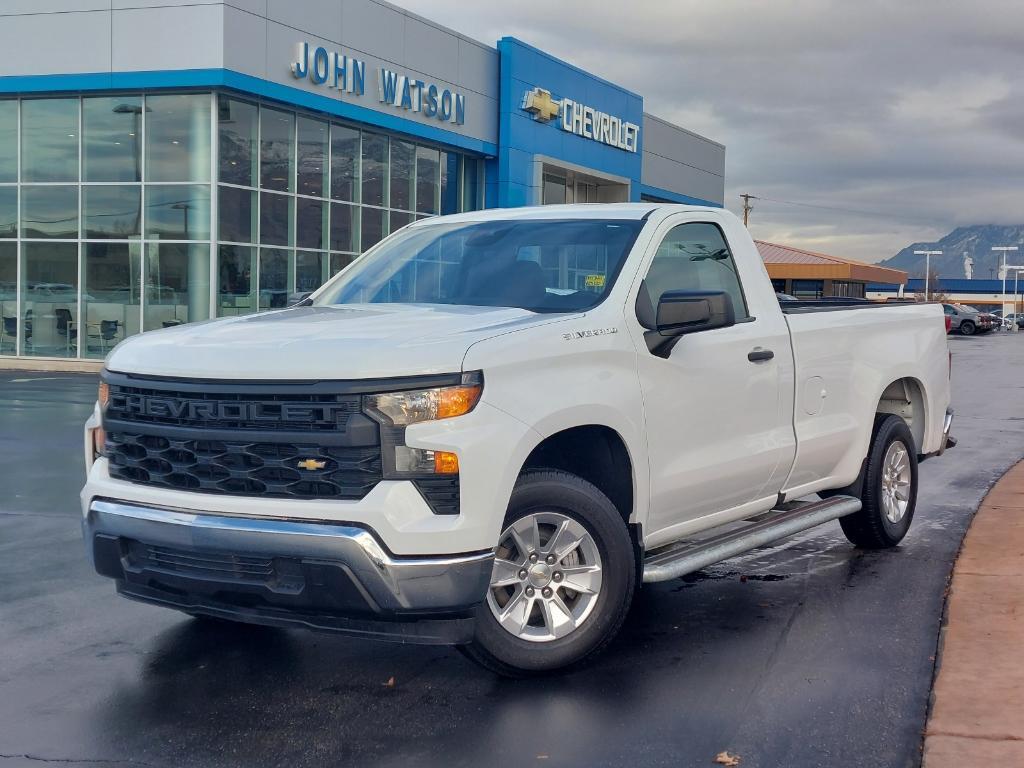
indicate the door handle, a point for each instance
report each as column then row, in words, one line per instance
column 758, row 355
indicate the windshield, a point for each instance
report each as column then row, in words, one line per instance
column 546, row 265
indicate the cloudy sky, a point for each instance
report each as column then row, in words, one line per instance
column 900, row 119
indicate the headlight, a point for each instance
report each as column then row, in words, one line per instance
column 415, row 405
column 99, row 435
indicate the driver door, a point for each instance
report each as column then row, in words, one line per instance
column 714, row 412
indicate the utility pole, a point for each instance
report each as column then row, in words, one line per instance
column 927, row 270
column 747, row 207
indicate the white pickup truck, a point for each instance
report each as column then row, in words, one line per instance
column 489, row 429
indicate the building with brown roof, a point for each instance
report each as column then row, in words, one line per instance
column 813, row 275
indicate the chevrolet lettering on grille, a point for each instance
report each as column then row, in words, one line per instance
column 213, row 410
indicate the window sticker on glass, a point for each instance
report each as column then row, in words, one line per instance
column 595, row 281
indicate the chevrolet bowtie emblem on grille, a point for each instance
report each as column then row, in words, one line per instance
column 539, row 102
column 312, row 464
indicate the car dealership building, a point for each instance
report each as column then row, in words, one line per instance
column 168, row 162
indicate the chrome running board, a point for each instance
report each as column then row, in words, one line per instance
column 682, row 558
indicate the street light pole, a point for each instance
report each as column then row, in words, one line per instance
column 1015, row 327
column 927, row 270
column 1003, row 249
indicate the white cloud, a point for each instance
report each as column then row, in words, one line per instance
column 907, row 112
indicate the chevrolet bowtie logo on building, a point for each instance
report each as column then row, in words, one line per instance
column 583, row 120
column 539, row 102
column 312, row 464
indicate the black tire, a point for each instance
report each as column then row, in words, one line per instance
column 499, row 650
column 966, row 328
column 870, row 528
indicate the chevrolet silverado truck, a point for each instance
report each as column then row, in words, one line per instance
column 491, row 428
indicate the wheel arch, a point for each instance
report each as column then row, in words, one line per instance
column 598, row 454
column 906, row 397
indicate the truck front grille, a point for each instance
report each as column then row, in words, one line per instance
column 290, row 470
column 277, row 439
column 201, row 564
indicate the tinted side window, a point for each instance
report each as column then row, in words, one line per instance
column 695, row 257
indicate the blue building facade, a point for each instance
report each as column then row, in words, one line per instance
column 173, row 163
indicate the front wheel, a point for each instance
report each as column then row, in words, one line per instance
column 563, row 578
column 889, row 487
column 966, row 328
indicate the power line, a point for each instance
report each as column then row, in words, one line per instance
column 839, row 209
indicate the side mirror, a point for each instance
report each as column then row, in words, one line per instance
column 680, row 313
column 298, row 299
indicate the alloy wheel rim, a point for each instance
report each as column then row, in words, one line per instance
column 546, row 577
column 896, row 479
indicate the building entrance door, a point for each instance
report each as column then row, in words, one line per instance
column 561, row 185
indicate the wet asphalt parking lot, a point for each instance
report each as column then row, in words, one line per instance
column 808, row 653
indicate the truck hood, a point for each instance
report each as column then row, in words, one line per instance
column 337, row 342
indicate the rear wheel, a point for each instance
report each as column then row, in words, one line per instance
column 888, row 489
column 563, row 578
column 966, row 328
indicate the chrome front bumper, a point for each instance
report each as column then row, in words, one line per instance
column 271, row 571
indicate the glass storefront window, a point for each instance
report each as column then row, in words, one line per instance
column 344, row 163
column 177, row 212
column 177, row 287
column 111, row 211
column 49, row 299
column 178, row 137
column 238, row 130
column 125, row 180
column 111, row 294
column 374, row 168
column 344, row 230
column 312, row 157
column 554, row 189
column 8, row 140
column 310, row 222
column 274, row 267
column 398, row 220
column 112, row 137
column 371, row 228
column 276, row 219
column 470, row 184
column 236, row 280
column 339, row 261
column 49, row 140
column 49, row 211
column 449, row 183
column 428, row 166
column 236, row 214
column 309, row 271
column 8, row 298
column 8, row 212
column 402, row 169
column 277, row 149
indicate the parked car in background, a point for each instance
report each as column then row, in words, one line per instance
column 995, row 320
column 1012, row 318
column 967, row 321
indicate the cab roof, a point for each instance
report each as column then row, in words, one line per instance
column 573, row 211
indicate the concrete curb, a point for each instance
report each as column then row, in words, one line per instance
column 50, row 365
column 977, row 716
